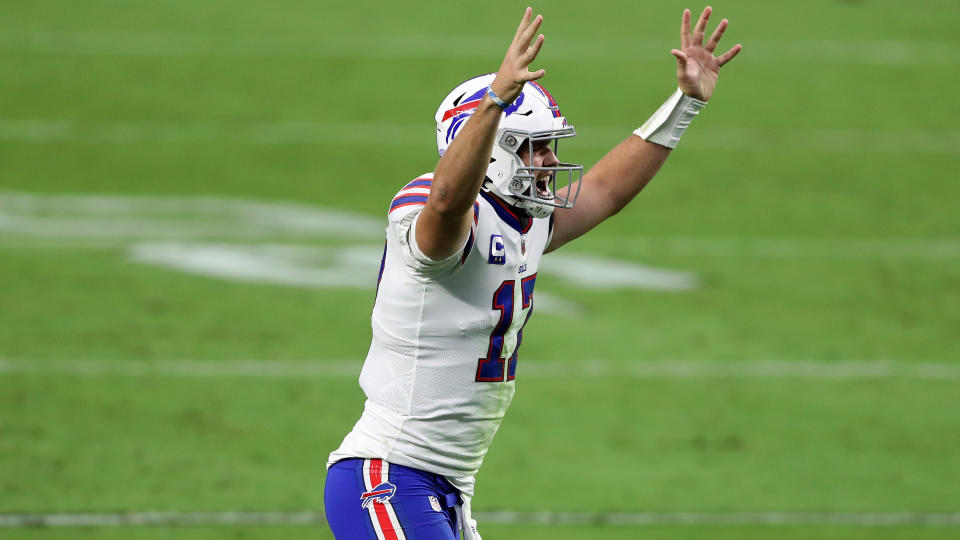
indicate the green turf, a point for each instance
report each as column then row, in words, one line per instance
column 531, row 532
column 834, row 130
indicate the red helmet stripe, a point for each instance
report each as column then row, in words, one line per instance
column 459, row 109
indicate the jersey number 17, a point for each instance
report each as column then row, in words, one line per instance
column 500, row 364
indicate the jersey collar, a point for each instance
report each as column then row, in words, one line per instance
column 511, row 216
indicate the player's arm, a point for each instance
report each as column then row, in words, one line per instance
column 617, row 178
column 444, row 223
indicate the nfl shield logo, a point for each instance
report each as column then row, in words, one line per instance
column 435, row 504
column 523, row 245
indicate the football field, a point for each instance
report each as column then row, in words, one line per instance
column 765, row 344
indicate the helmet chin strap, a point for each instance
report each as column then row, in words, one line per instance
column 535, row 210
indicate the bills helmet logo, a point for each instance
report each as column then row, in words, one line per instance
column 463, row 109
column 381, row 494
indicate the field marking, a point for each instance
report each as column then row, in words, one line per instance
column 655, row 369
column 159, row 518
column 418, row 135
column 863, row 519
column 246, row 249
column 324, row 266
column 306, row 517
column 683, row 246
column 179, row 217
column 872, row 52
column 793, row 247
column 352, row 266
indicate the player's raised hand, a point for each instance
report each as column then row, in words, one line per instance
column 514, row 71
column 697, row 67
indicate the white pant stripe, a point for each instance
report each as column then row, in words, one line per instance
column 391, row 514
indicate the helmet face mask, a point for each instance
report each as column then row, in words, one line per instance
column 558, row 190
column 532, row 118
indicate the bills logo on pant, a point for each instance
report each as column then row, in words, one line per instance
column 381, row 494
column 376, row 500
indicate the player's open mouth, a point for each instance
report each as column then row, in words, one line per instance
column 543, row 189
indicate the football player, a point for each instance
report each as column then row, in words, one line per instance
column 457, row 278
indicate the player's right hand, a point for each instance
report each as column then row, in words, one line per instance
column 514, row 72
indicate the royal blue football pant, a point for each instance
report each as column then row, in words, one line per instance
column 371, row 499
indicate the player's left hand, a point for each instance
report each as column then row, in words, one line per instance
column 697, row 67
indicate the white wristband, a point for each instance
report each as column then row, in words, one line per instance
column 669, row 122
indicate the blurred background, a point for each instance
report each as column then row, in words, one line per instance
column 192, row 203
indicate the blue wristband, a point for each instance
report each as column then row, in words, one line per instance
column 501, row 103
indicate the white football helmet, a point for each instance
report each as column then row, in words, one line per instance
column 532, row 117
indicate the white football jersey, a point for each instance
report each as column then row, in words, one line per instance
column 440, row 371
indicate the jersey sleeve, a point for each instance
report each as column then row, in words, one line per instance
column 403, row 214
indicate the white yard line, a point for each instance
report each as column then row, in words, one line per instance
column 857, row 519
column 381, row 47
column 655, row 369
column 48, row 236
column 185, row 368
column 144, row 216
column 792, row 247
column 159, row 518
column 863, row 519
column 47, row 130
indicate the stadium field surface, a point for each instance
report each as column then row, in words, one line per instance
column 192, row 203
